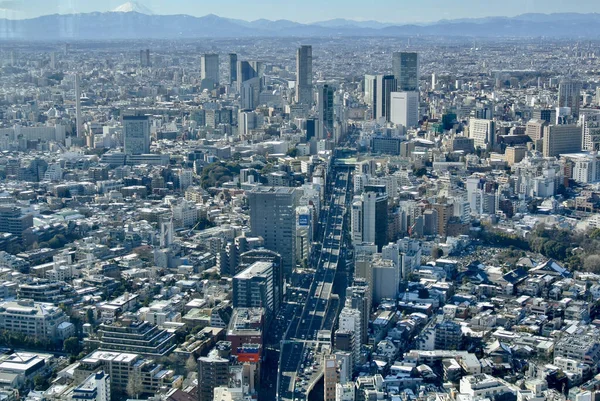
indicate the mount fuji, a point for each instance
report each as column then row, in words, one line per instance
column 133, row 7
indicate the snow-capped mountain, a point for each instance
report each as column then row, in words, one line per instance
column 133, row 6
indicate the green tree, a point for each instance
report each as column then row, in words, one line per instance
column 71, row 346
column 89, row 315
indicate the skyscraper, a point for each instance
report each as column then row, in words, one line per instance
column 569, row 92
column 404, row 108
column 232, row 68
column 405, row 67
column 209, row 70
column 247, row 70
column 304, row 74
column 384, row 86
column 325, row 110
column 136, row 135
column 78, row 122
column 370, row 89
column 369, row 217
column 145, row 58
column 273, row 217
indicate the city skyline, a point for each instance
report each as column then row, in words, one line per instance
column 426, row 11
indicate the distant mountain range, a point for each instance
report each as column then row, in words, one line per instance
column 131, row 21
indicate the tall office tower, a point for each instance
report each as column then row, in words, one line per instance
column 213, row 371
column 548, row 115
column 78, row 122
column 404, row 108
column 405, row 67
column 483, row 133
column 369, row 217
column 350, row 321
column 145, row 58
column 136, row 135
column 250, row 93
column 209, row 70
column 561, row 139
column 370, row 89
column 247, row 70
column 13, row 221
column 254, row 287
column 569, row 94
column 53, row 60
column 433, row 81
column 384, row 86
column 590, row 124
column 325, row 111
column 304, row 73
column 273, row 217
column 331, row 376
column 232, row 68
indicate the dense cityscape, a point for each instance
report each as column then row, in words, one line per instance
column 402, row 218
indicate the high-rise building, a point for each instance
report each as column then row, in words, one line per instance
column 247, row 70
column 254, row 287
column 13, row 221
column 404, row 108
column 535, row 129
column 360, row 298
column 561, row 139
column 331, row 376
column 569, row 94
column 325, row 110
column 370, row 216
column 209, row 71
column 136, row 135
column 273, row 217
column 384, row 86
column 590, row 124
column 548, row 115
column 483, row 133
column 405, row 67
column 145, row 58
column 213, row 371
column 444, row 212
column 370, row 89
column 304, row 73
column 78, row 122
column 233, row 59
column 350, row 321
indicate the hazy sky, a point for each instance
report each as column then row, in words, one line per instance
column 310, row 10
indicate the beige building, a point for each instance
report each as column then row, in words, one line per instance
column 535, row 129
column 514, row 154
